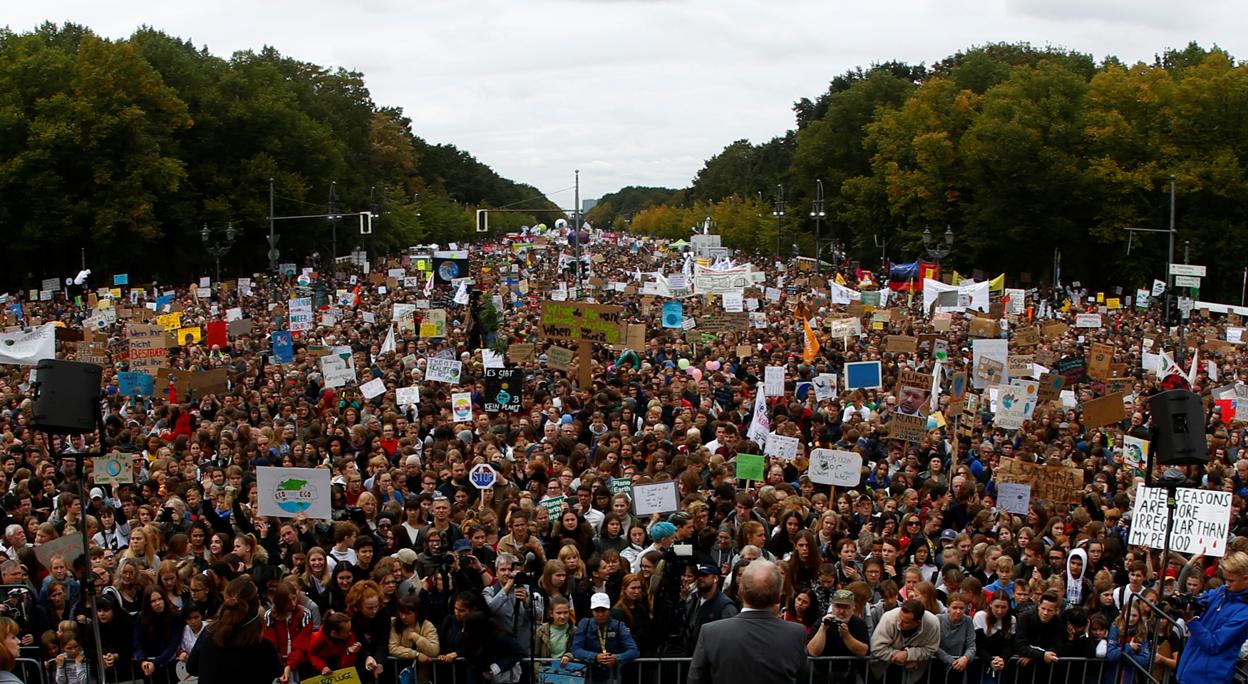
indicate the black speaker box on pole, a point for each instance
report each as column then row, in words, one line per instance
column 67, row 395
column 1179, row 428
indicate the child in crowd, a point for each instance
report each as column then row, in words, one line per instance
column 193, row 613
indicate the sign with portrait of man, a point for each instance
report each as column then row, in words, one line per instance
column 914, row 393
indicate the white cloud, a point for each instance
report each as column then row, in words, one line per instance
column 632, row 91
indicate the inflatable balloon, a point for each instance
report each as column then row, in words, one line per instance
column 683, row 363
column 560, row 224
column 712, row 366
column 696, row 374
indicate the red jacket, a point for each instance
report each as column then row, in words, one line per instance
column 294, row 634
column 324, row 652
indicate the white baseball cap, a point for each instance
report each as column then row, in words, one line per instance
column 599, row 600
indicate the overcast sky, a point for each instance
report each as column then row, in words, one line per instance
column 631, row 92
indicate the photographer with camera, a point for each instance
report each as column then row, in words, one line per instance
column 509, row 600
column 841, row 634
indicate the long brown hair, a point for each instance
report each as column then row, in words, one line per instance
column 8, row 628
column 237, row 622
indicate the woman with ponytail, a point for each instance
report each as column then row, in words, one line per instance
column 234, row 650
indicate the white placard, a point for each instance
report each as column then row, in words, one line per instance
column 773, row 381
column 338, row 369
column 287, row 492
column 233, row 314
column 301, row 314
column 835, row 467
column 1087, row 320
column 1015, row 498
column 734, row 302
column 660, row 497
column 443, row 370
column 781, row 446
column 407, row 396
column 461, row 406
column 373, row 388
column 370, row 317
column 30, row 347
column 491, row 359
column 1201, row 521
column 825, row 386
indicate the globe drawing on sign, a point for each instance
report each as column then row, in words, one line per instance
column 448, row 270
column 294, row 496
column 112, row 467
column 503, row 397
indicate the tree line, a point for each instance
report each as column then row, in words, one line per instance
column 127, row 148
column 1026, row 154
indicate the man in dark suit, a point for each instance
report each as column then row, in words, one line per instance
column 756, row 646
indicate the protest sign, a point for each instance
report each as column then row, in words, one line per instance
column 781, row 446
column 749, row 467
column 914, row 393
column 898, row 344
column 1100, row 356
column 560, row 358
column 1014, row 404
column 1014, row 498
column 134, row 384
column 957, row 392
column 863, row 375
column 1202, row 520
column 1072, row 369
column 147, row 347
column 988, row 371
column 997, row 353
column 581, row 322
column 373, row 388
column 1026, row 337
column 1135, row 453
column 907, row 428
column 29, row 347
column 503, row 389
column 520, row 352
column 1057, row 483
column 553, row 506
column 338, row 369
column 300, row 314
column 1055, row 330
column 1051, row 386
column 1103, row 411
column 68, row 547
column 407, row 396
column 433, row 324
column 984, row 327
column 773, row 381
column 287, row 492
column 835, row 467
column 283, row 346
column 461, row 406
column 112, row 469
column 844, row 327
column 659, row 497
column 1021, row 366
column 734, row 302
column 443, row 370
column 824, row 385
column 1087, row 320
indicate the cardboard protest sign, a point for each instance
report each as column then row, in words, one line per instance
column 1087, row 320
column 433, row 324
column 373, row 388
column 1103, row 411
column 824, row 386
column 957, row 392
column 1202, row 520
column 984, row 327
column 68, row 547
column 988, row 362
column 407, row 396
column 1058, row 484
column 1135, row 453
column 520, row 352
column 988, row 371
column 1051, row 386
column 1055, row 330
column 835, row 467
column 901, row 344
column 1072, row 368
column 147, row 347
column 1026, row 337
column 1021, row 365
column 560, row 358
column 338, row 369
column 1100, row 356
column 112, row 469
column 287, row 492
column 581, row 322
column 907, row 428
column 133, row 384
column 1014, row 498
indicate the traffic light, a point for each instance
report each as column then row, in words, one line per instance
column 483, row 221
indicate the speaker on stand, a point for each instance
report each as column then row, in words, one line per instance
column 67, row 396
column 1178, row 438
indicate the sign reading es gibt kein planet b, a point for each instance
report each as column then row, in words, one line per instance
column 287, row 492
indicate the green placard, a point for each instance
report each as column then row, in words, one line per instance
column 621, row 485
column 553, row 507
column 750, row 467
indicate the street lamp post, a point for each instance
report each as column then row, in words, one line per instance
column 218, row 248
column 817, row 213
column 935, row 251
column 778, row 212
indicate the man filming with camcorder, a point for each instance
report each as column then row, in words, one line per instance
column 508, row 598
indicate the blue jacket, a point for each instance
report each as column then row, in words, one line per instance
column 586, row 644
column 1215, row 638
column 1117, row 655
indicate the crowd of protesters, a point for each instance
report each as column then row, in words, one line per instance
column 914, row 571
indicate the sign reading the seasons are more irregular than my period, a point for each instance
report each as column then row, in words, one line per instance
column 1202, row 520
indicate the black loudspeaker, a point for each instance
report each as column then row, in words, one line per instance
column 67, row 395
column 1179, row 428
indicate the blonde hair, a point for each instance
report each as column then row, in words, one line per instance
column 1236, row 563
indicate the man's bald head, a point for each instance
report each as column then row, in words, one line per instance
column 761, row 583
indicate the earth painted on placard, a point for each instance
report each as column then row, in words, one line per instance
column 294, row 496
